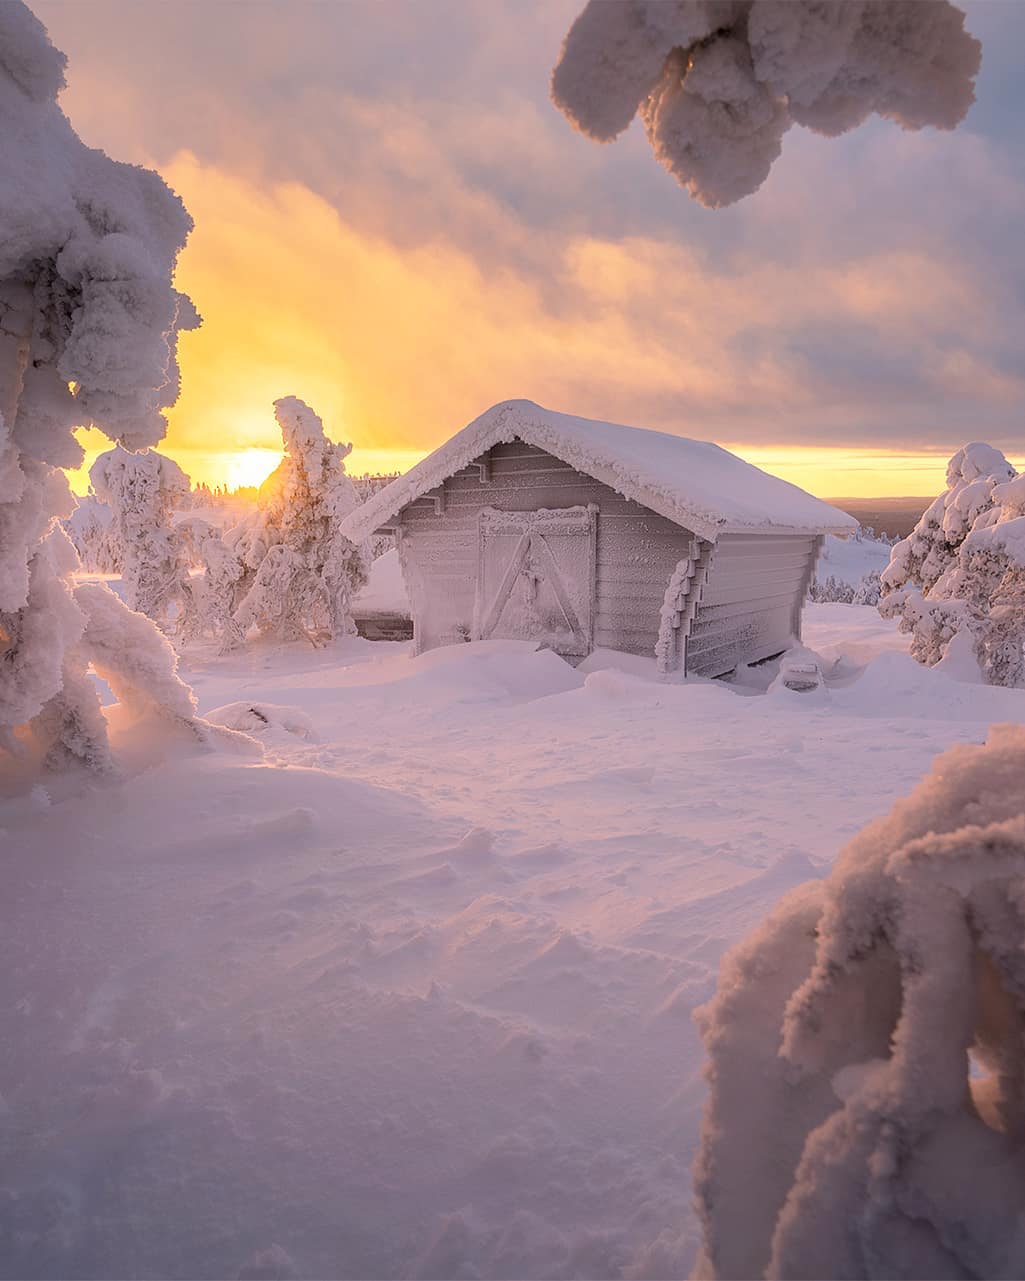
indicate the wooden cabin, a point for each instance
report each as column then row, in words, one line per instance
column 536, row 525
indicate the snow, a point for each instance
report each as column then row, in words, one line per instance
column 849, row 559
column 695, row 483
column 385, row 590
column 401, row 983
column 717, row 83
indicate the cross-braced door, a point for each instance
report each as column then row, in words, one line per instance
column 536, row 577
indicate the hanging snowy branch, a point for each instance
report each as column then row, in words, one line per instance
column 717, row 83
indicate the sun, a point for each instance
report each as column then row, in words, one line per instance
column 250, row 467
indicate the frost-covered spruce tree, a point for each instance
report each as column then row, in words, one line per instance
column 88, row 328
column 962, row 568
column 301, row 571
column 832, row 590
column 143, row 490
column 848, row 1133
column 91, row 530
column 214, row 594
column 868, row 589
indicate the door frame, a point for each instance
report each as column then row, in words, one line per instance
column 532, row 525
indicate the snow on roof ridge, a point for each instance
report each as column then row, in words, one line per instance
column 694, row 483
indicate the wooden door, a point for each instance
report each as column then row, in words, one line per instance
column 536, row 577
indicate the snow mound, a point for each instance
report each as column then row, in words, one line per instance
column 487, row 671
column 258, row 718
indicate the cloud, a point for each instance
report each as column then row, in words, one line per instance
column 399, row 346
column 393, row 223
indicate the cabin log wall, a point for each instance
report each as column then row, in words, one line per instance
column 636, row 550
column 749, row 601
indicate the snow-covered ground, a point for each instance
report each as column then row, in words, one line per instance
column 410, row 994
column 849, row 559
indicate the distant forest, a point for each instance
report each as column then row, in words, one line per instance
column 895, row 517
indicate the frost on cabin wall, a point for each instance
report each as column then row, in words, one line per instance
column 844, row 1135
column 717, row 83
column 961, row 571
column 88, row 328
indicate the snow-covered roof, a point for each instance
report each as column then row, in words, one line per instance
column 694, row 483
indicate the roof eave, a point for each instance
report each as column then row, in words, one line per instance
column 789, row 530
column 508, row 423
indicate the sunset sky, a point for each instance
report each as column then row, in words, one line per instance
column 394, row 223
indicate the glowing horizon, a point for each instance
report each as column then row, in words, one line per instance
column 238, row 469
column 397, row 378
column 830, row 473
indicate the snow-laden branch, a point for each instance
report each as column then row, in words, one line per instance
column 717, row 83
column 867, row 1050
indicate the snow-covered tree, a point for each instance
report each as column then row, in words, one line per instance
column 717, row 83
column 834, row 590
column 962, row 568
column 867, row 1050
column 91, row 530
column 214, row 594
column 88, row 328
column 301, row 572
column 143, row 490
column 867, row 589
column 831, row 590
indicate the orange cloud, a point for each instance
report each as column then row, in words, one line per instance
column 397, row 346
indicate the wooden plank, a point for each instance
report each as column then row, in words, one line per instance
column 764, row 589
column 461, row 516
column 518, row 449
column 537, row 464
column 562, row 490
column 709, row 615
column 752, row 565
column 628, row 624
column 651, row 564
column 532, row 497
column 499, row 479
column 728, row 542
column 629, row 548
column 625, row 592
column 630, row 641
column 617, row 522
column 755, row 642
